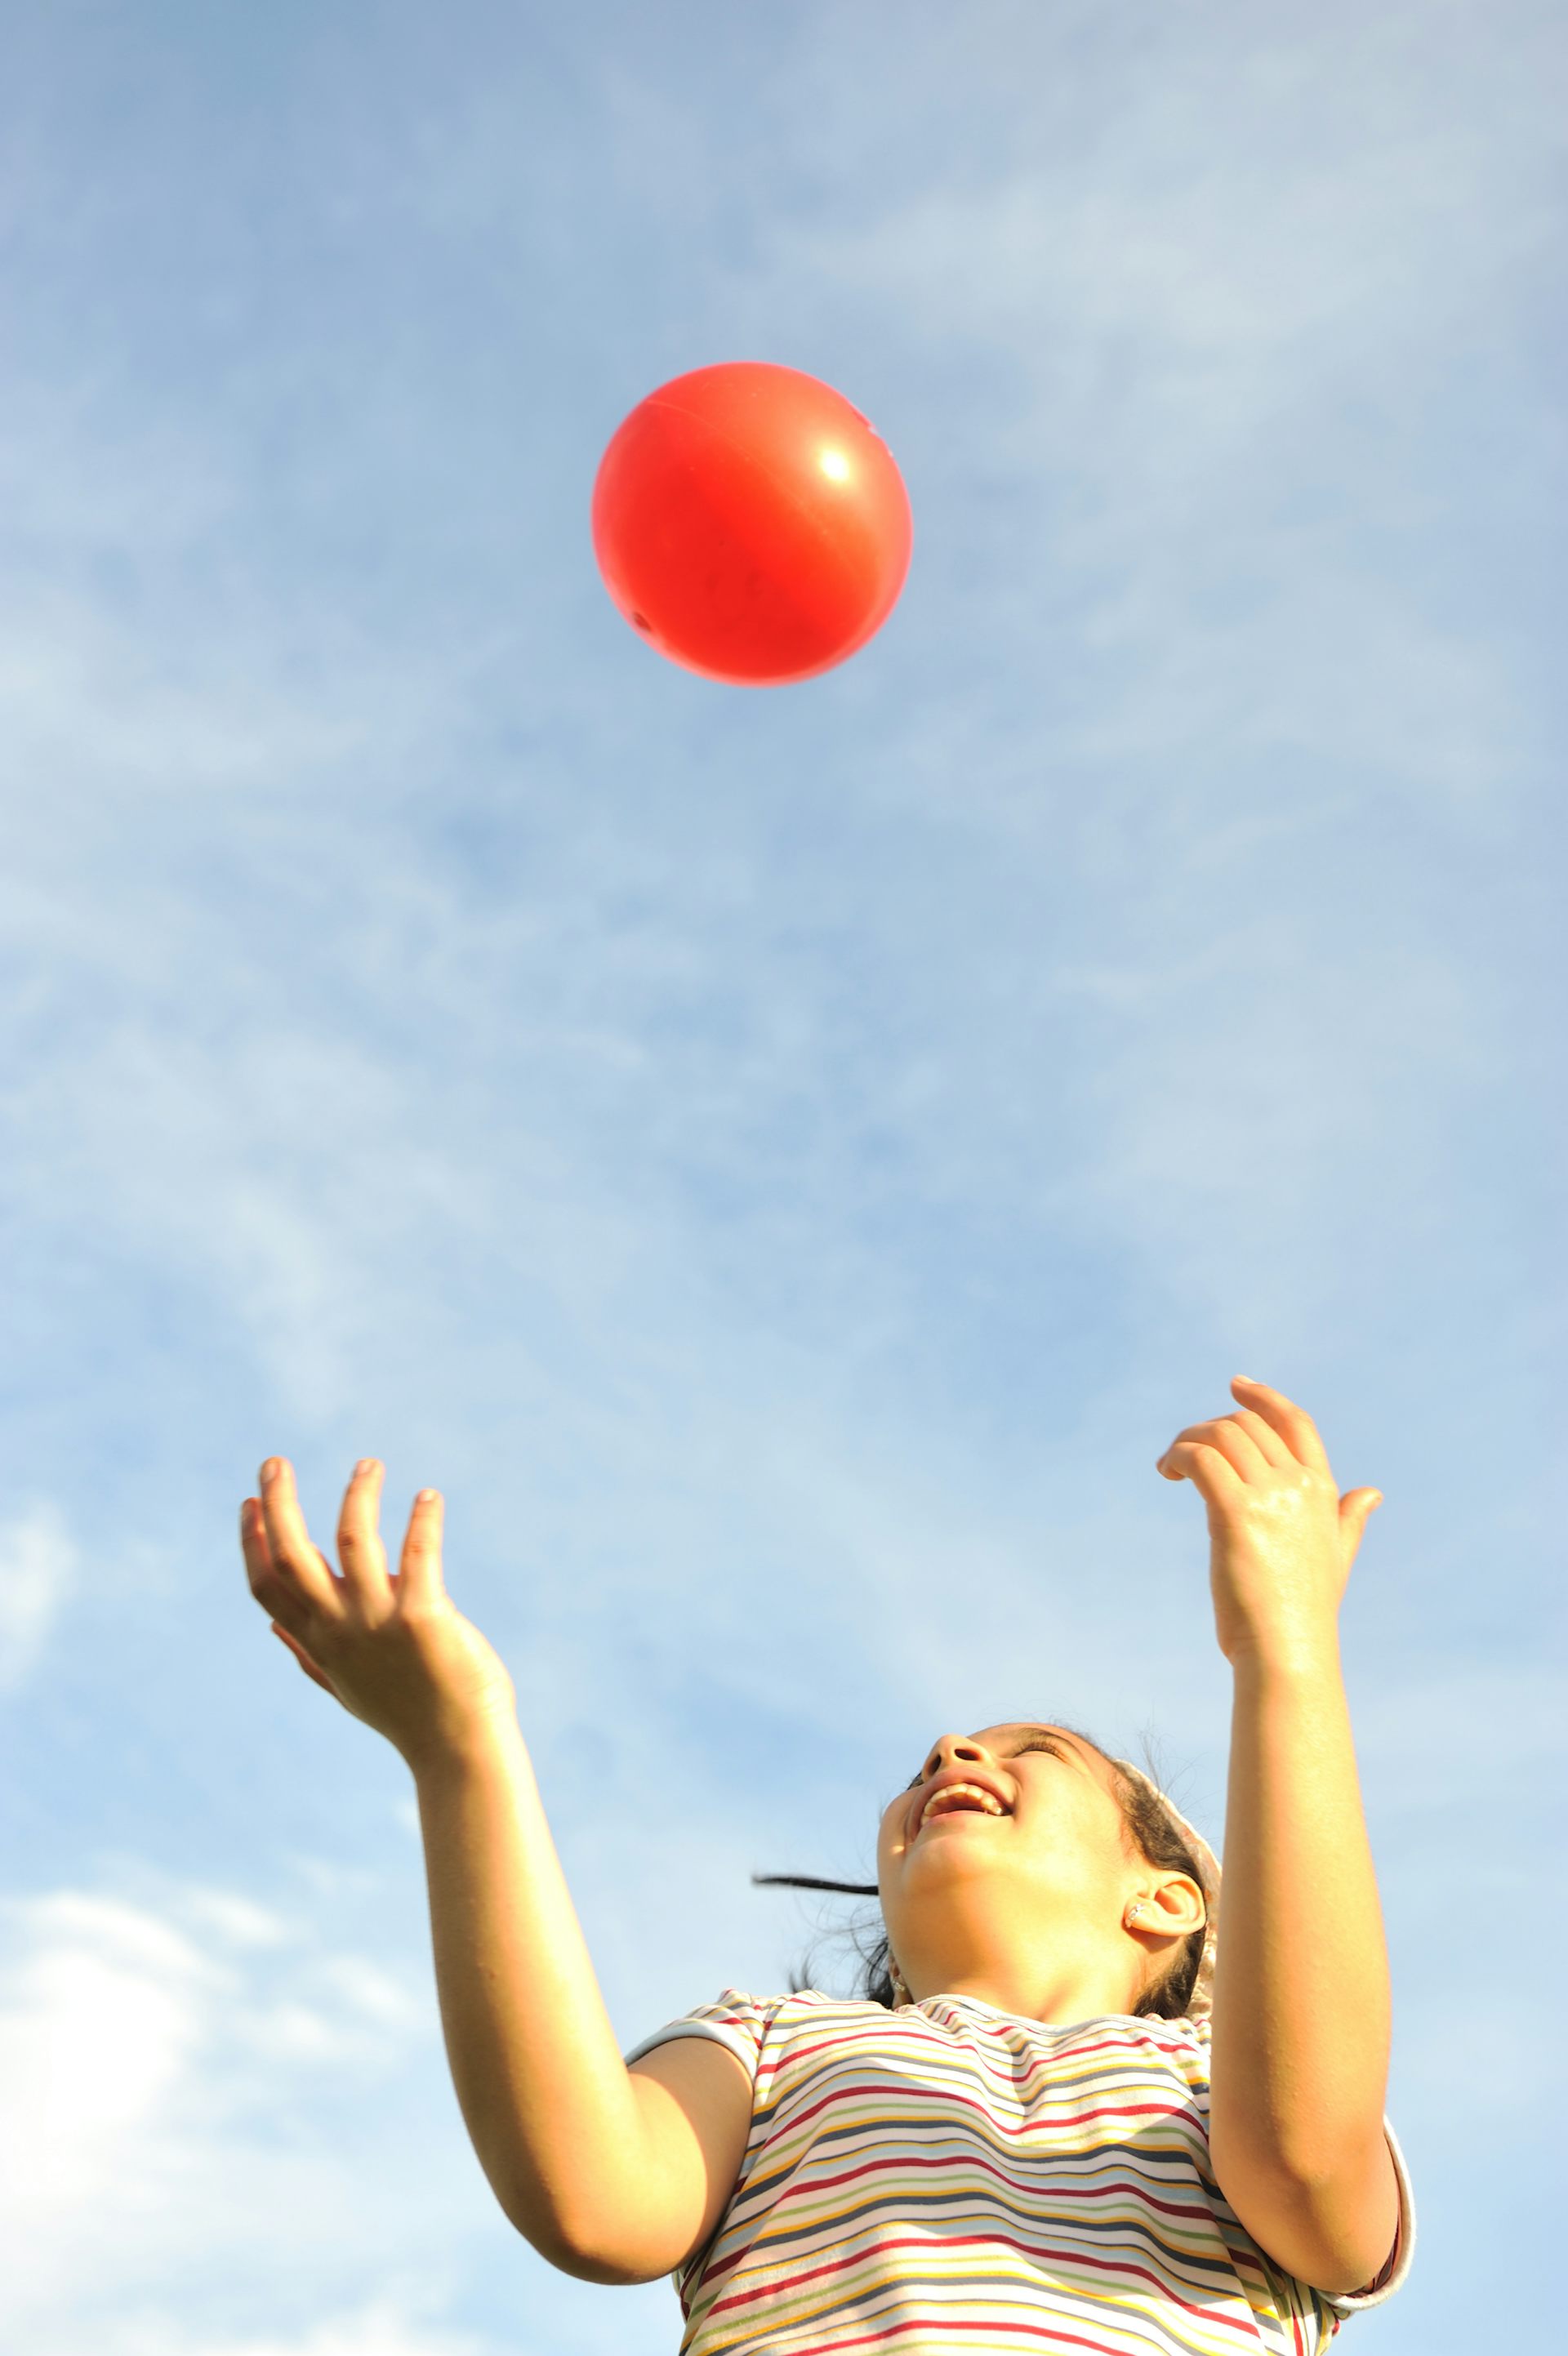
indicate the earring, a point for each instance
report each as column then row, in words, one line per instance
column 897, row 1977
column 1136, row 1908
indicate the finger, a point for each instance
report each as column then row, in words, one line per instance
column 303, row 1657
column 272, row 1593
column 1357, row 1507
column 1264, row 1439
column 1238, row 1447
column 253, row 1542
column 299, row 1567
column 1211, row 1473
column 1292, row 1423
column 360, row 1548
column 420, row 1580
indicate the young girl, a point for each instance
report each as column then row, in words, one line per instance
column 1068, row 2116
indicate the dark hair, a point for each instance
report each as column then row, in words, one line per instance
column 1149, row 1825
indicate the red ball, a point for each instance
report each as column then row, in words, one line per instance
column 751, row 524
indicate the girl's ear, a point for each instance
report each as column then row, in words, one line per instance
column 1175, row 1908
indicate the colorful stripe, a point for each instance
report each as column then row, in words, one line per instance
column 950, row 2176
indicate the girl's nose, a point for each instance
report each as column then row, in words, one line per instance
column 952, row 1750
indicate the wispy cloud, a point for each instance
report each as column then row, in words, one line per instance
column 38, row 1573
column 782, row 1164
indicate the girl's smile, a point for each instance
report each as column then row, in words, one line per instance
column 980, row 1794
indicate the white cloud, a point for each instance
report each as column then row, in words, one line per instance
column 368, row 1993
column 39, row 1562
column 382, row 2325
column 211, row 2110
column 235, row 1919
column 154, row 2092
column 100, row 2022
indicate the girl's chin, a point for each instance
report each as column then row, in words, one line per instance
column 957, row 1817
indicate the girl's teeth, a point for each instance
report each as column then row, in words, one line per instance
column 992, row 1805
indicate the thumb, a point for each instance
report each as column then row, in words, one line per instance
column 1355, row 1508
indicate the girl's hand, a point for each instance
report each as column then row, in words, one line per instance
column 395, row 1652
column 1282, row 1538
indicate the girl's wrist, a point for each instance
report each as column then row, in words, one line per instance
column 1284, row 1656
column 460, row 1744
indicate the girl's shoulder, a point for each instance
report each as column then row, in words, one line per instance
column 735, row 2017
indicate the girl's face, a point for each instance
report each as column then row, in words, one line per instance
column 1024, row 1910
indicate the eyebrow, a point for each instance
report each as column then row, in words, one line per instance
column 1071, row 1742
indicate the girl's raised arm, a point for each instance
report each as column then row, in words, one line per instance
column 1302, row 2005
column 548, row 2102
column 584, row 2165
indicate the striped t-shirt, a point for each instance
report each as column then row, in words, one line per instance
column 952, row 2177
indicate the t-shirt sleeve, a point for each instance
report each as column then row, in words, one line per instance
column 732, row 2018
column 1391, row 2276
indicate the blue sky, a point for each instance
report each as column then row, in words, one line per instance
column 783, row 1163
